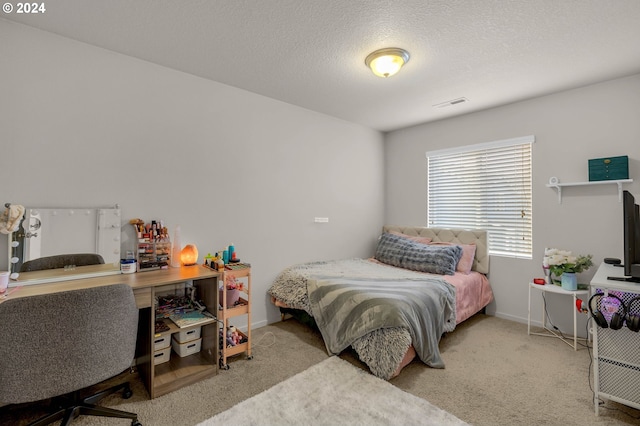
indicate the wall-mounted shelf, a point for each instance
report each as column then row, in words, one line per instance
column 558, row 186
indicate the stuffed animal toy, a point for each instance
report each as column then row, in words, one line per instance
column 235, row 336
column 230, row 340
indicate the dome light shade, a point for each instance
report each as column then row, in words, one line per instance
column 387, row 62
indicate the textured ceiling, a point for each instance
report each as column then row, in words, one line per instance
column 311, row 52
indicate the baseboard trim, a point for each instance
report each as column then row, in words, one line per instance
column 516, row 319
column 254, row 325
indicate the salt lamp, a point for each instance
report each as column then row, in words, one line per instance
column 189, row 255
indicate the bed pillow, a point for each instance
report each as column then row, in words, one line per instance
column 466, row 260
column 401, row 252
column 417, row 239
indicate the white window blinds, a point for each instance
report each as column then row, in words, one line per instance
column 485, row 186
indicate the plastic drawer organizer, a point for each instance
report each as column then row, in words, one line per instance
column 184, row 342
column 186, row 348
column 235, row 302
column 161, row 349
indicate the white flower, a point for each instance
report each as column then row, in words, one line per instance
column 557, row 259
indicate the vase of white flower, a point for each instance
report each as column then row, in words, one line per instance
column 565, row 265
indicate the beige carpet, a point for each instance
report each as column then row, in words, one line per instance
column 334, row 392
column 495, row 375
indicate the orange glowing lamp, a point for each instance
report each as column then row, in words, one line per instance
column 189, row 255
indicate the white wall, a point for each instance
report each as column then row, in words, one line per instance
column 82, row 126
column 570, row 127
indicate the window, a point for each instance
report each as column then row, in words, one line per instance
column 485, row 186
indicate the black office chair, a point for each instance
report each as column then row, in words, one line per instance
column 54, row 345
column 62, row 260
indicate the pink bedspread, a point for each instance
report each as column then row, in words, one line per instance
column 473, row 293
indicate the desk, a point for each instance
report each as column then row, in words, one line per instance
column 179, row 372
column 551, row 288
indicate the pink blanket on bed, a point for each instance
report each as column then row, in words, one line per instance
column 473, row 293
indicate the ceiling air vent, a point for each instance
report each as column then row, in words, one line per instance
column 451, row 102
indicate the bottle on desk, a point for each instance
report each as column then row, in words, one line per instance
column 220, row 263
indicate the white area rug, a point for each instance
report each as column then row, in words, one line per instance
column 330, row 393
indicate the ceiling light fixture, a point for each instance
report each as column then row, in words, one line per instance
column 387, row 62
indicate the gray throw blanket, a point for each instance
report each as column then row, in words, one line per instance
column 346, row 309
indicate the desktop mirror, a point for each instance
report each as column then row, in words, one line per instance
column 53, row 231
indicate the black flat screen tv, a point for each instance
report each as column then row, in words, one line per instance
column 631, row 220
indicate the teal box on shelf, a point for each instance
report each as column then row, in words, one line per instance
column 609, row 168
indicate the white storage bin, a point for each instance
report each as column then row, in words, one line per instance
column 188, row 335
column 163, row 355
column 187, row 348
column 161, row 342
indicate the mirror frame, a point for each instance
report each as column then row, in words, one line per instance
column 110, row 230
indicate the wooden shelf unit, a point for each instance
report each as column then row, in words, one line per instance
column 242, row 308
column 179, row 371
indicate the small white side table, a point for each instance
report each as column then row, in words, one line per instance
column 552, row 288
